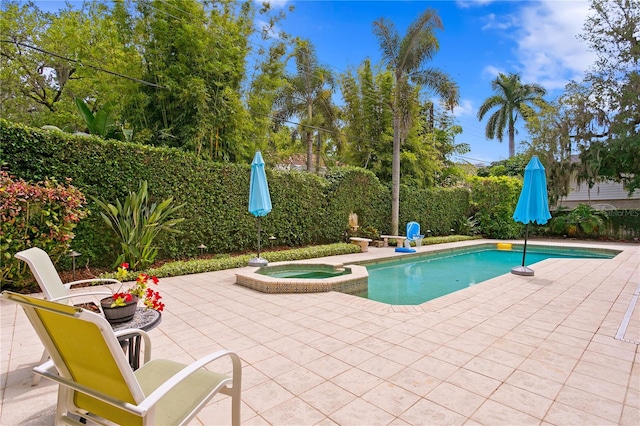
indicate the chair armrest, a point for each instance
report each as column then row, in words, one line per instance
column 141, row 333
column 93, row 280
column 49, row 371
column 91, row 293
column 161, row 391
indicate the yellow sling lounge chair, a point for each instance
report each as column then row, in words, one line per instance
column 97, row 384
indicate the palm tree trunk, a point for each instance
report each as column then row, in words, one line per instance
column 395, row 174
column 309, row 152
column 318, row 150
column 310, row 139
column 512, row 140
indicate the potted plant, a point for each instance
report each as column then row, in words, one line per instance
column 121, row 305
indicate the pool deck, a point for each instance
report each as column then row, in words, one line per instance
column 514, row 350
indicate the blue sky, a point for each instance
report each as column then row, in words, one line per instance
column 481, row 38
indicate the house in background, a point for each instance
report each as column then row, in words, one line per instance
column 607, row 195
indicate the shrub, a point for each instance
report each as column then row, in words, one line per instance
column 137, row 224
column 35, row 215
column 493, row 200
column 583, row 222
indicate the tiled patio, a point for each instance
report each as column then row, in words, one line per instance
column 513, row 350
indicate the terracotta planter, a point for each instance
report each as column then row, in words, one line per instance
column 118, row 314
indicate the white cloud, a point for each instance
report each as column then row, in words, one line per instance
column 492, row 71
column 274, row 3
column 548, row 49
column 465, row 108
column 504, row 22
column 272, row 32
column 465, row 4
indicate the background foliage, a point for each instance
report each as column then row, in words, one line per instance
column 307, row 209
column 42, row 215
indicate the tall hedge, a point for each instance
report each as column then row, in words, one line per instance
column 493, row 201
column 307, row 209
column 437, row 210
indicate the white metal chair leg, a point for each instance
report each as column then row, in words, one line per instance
column 37, row 377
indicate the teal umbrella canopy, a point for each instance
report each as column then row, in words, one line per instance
column 533, row 204
column 259, row 198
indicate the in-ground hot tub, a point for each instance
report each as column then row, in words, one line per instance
column 287, row 277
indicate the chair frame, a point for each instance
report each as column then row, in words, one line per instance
column 51, row 285
column 416, row 238
column 58, row 370
column 49, row 280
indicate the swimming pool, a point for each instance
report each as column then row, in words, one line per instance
column 418, row 279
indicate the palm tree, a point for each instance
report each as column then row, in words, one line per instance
column 510, row 97
column 305, row 93
column 406, row 56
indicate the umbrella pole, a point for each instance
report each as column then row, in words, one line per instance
column 526, row 237
column 258, row 237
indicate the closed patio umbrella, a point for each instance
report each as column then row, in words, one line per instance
column 259, row 199
column 533, row 205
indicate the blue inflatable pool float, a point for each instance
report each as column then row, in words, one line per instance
column 405, row 250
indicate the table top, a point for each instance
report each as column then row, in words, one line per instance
column 144, row 319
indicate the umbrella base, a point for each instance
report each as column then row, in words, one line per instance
column 258, row 261
column 522, row 270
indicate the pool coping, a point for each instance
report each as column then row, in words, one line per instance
column 352, row 283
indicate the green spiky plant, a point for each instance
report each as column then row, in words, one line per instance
column 137, row 224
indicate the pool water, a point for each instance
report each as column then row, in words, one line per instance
column 418, row 279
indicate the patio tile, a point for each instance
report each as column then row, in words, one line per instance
column 494, row 413
column 352, row 355
column 474, row 382
column 503, row 357
column 451, row 355
column 562, row 414
column 489, row 368
column 522, row 400
column 420, row 345
column 265, row 396
column 534, row 383
column 328, row 367
column 361, row 412
column 401, row 355
column 512, row 350
column 299, row 380
column 380, row 367
column 468, row 346
column 590, row 403
column 605, row 389
column 607, row 360
column 391, row 398
column 356, row 381
column 428, row 412
column 630, row 416
column 456, row 399
column 327, row 398
column 602, row 372
column 293, row 412
column 435, row 367
column 374, row 345
column 415, row 381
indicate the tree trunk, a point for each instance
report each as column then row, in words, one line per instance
column 310, row 152
column 395, row 174
column 512, row 140
column 310, row 139
column 318, row 150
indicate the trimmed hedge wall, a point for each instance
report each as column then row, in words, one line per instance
column 307, row 209
column 623, row 224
